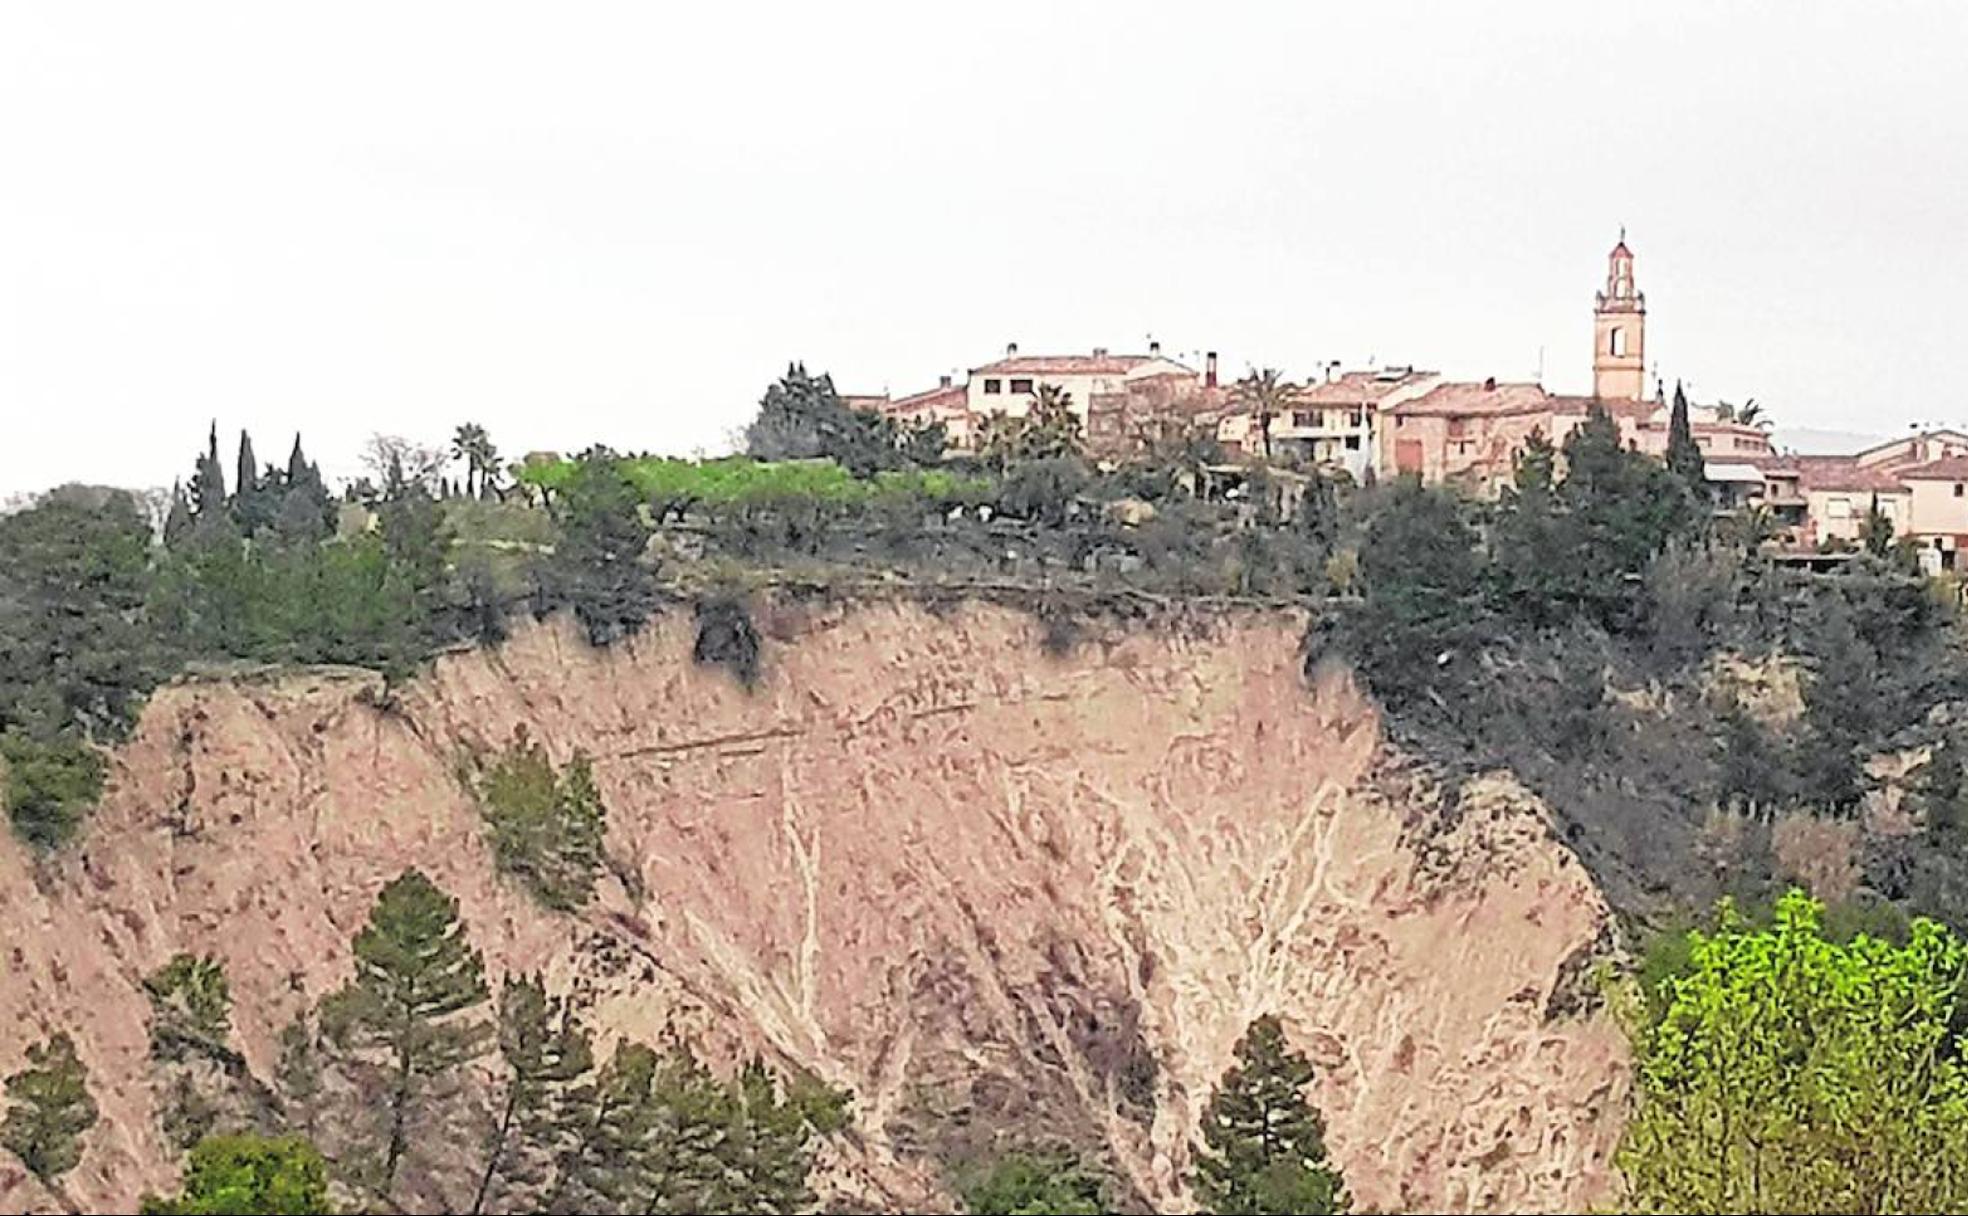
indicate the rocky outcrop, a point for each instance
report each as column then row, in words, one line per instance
column 989, row 889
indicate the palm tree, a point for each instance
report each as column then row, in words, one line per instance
column 1266, row 393
column 1751, row 414
column 472, row 445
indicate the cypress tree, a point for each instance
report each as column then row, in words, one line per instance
column 1264, row 1145
column 414, row 972
column 49, row 1109
column 248, row 479
column 298, row 469
column 208, row 489
column 1683, row 455
column 177, row 522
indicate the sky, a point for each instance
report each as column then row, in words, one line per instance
column 581, row 223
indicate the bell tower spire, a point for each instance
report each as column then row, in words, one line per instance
column 1619, row 331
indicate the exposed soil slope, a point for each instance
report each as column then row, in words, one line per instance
column 985, row 888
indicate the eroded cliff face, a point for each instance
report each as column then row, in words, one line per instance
column 986, row 889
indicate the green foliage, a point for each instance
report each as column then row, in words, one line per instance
column 598, row 568
column 801, row 417
column 399, row 1018
column 1043, row 489
column 1264, row 1146
column 1265, row 393
column 249, row 1175
column 77, row 654
column 190, row 1008
column 546, row 1051
column 741, row 480
column 546, row 828
column 1684, row 457
column 1422, row 600
column 1034, row 1184
column 1048, row 430
column 660, row 1134
column 49, row 785
column 1793, row 1074
column 1876, row 530
column 337, row 602
column 48, row 1109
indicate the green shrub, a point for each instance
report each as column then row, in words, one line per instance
column 50, row 785
column 546, row 827
column 1036, row 1183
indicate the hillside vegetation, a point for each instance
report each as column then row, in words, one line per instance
column 1700, row 721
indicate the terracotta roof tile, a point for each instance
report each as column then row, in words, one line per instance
column 1837, row 473
column 1359, row 388
column 1954, row 468
column 1470, row 397
column 1066, row 365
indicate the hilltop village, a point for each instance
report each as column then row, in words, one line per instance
column 1386, row 421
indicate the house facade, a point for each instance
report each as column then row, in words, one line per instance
column 1009, row 385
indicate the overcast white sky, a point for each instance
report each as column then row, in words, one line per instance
column 582, row 222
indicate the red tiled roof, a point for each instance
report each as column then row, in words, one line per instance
column 1621, row 251
column 942, row 402
column 1357, row 388
column 1470, row 397
column 1834, row 473
column 1954, row 468
column 1065, row 365
column 865, row 401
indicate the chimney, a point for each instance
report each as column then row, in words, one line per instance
column 1011, row 350
column 943, row 382
column 1489, row 384
column 1100, row 352
column 1209, row 370
column 1154, row 349
column 1330, row 367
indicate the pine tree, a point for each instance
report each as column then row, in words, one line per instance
column 546, row 828
column 1264, row 1147
column 546, row 1051
column 415, row 971
column 1684, row 456
column 49, row 1109
column 768, row 1153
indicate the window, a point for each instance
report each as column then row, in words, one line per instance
column 991, row 386
column 1398, row 420
column 1021, row 386
column 1838, row 508
column 1356, row 419
column 1616, row 341
column 1352, row 443
column 1305, row 418
column 1957, row 489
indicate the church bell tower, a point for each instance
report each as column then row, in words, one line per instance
column 1619, row 331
